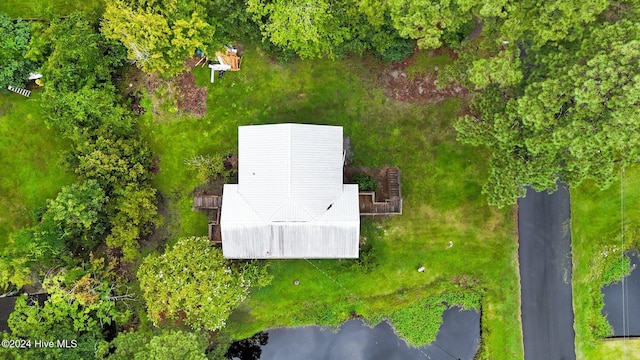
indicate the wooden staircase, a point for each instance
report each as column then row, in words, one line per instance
column 393, row 177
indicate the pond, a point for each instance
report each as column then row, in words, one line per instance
column 458, row 338
column 622, row 302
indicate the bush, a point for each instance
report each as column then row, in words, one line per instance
column 420, row 322
column 208, row 167
column 454, row 38
column 397, row 51
column 15, row 68
column 365, row 182
column 191, row 273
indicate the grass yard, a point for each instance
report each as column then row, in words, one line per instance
column 30, row 156
column 37, row 8
column 446, row 226
column 597, row 247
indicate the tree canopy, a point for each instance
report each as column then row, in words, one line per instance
column 80, row 311
column 574, row 120
column 310, row 28
column 167, row 345
column 193, row 281
column 159, row 34
column 73, row 54
column 15, row 67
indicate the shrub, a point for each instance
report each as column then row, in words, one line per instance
column 454, row 38
column 397, row 51
column 208, row 166
column 365, row 182
column 194, row 282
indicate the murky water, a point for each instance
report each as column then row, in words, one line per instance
column 459, row 338
column 622, row 303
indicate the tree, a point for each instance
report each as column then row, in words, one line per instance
column 575, row 119
column 193, row 281
column 114, row 162
column 73, row 54
column 537, row 23
column 15, row 68
column 134, row 209
column 428, row 20
column 65, row 315
column 310, row 28
column 77, row 212
column 17, row 256
column 167, row 345
column 89, row 109
column 159, row 34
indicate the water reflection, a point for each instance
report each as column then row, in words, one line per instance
column 248, row 349
column 622, row 301
column 458, row 338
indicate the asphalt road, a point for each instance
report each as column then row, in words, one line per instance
column 545, row 275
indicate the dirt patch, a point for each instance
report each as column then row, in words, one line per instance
column 191, row 98
column 169, row 97
column 417, row 88
column 420, row 89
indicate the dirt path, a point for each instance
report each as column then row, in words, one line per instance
column 545, row 275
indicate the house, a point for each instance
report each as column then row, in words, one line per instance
column 290, row 200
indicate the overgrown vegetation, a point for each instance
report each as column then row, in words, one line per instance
column 208, row 167
column 191, row 273
column 365, row 182
column 419, row 323
column 15, row 68
column 598, row 260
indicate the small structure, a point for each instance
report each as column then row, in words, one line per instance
column 211, row 204
column 290, row 200
column 226, row 62
column 391, row 206
column 21, row 91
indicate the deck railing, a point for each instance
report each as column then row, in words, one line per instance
column 390, row 206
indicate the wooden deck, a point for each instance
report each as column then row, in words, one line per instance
column 201, row 202
column 212, row 205
column 391, row 206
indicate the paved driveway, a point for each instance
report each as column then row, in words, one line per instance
column 545, row 275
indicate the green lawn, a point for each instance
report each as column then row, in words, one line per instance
column 37, row 8
column 441, row 182
column 30, row 157
column 597, row 247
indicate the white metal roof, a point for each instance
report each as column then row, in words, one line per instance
column 290, row 172
column 245, row 235
column 290, row 201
